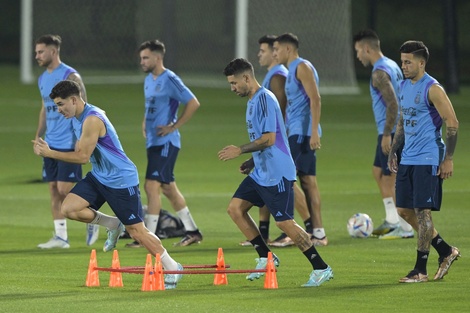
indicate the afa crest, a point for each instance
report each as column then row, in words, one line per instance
column 417, row 98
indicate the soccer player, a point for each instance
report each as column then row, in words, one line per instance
column 275, row 81
column 303, row 124
column 271, row 182
column 384, row 84
column 60, row 175
column 164, row 91
column 112, row 179
column 426, row 161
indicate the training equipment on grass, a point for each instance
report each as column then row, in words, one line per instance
column 154, row 274
column 360, row 225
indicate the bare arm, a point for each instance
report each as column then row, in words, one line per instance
column 185, row 116
column 41, row 130
column 92, row 129
column 231, row 152
column 277, row 85
column 306, row 77
column 438, row 97
column 382, row 82
column 398, row 141
column 78, row 79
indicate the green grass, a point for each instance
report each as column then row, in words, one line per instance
column 366, row 271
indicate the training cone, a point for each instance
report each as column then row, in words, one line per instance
column 92, row 278
column 148, row 283
column 270, row 280
column 158, row 273
column 220, row 279
column 115, row 278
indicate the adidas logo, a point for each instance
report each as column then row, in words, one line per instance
column 439, row 241
column 429, row 200
column 72, row 175
column 425, row 257
column 256, row 246
column 155, row 173
column 278, row 213
column 313, row 256
column 131, row 217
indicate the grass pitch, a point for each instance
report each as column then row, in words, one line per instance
column 366, row 270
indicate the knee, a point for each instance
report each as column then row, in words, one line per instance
column 234, row 212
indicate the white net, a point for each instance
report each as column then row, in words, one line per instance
column 101, row 38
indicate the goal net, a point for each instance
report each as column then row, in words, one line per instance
column 101, row 38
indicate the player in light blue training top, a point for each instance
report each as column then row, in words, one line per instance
column 271, row 182
column 164, row 92
column 113, row 177
column 274, row 81
column 384, row 85
column 425, row 161
column 303, row 124
column 61, row 176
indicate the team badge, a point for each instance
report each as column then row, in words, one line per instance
column 417, row 98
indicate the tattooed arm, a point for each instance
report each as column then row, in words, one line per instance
column 230, row 152
column 438, row 97
column 398, row 141
column 382, row 82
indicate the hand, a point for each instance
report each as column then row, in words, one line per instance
column 40, row 147
column 392, row 162
column 446, row 169
column 164, row 130
column 229, row 152
column 386, row 144
column 247, row 166
column 315, row 141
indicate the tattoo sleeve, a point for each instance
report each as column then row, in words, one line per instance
column 451, row 142
column 382, row 82
column 399, row 137
column 256, row 145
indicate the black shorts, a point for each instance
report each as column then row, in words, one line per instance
column 381, row 159
column 124, row 202
column 279, row 199
column 305, row 158
column 56, row 170
column 418, row 186
column 161, row 162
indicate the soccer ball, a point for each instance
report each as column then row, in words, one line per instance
column 360, row 225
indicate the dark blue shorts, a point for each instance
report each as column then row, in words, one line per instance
column 381, row 159
column 305, row 158
column 55, row 170
column 125, row 202
column 161, row 162
column 279, row 199
column 418, row 186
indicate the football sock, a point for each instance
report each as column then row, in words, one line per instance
column 111, row 222
column 187, row 219
column 391, row 213
column 264, row 229
column 260, row 246
column 60, row 227
column 441, row 246
column 308, row 225
column 167, row 262
column 315, row 259
column 319, row 233
column 422, row 261
column 151, row 222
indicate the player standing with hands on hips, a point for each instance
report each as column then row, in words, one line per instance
column 426, row 161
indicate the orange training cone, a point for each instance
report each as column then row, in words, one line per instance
column 220, row 279
column 148, row 283
column 158, row 273
column 92, row 278
column 115, row 278
column 270, row 281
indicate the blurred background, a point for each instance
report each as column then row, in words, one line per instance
column 101, row 37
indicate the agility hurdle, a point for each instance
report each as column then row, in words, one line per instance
column 154, row 274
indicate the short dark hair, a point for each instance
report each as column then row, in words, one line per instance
column 238, row 66
column 415, row 47
column 50, row 40
column 153, row 45
column 65, row 89
column 288, row 38
column 267, row 39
